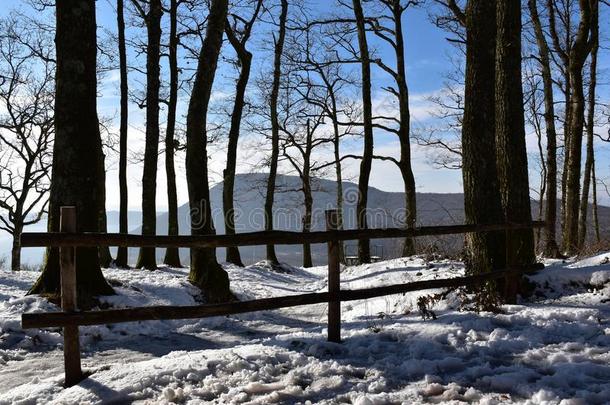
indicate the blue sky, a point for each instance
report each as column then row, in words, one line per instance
column 427, row 63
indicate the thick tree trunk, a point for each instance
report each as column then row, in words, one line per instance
column 275, row 131
column 590, row 125
column 205, row 271
column 578, row 55
column 172, row 255
column 404, row 130
column 146, row 258
column 364, row 249
column 510, row 141
column 551, row 248
column 122, row 252
column 76, row 148
column 16, row 248
column 482, row 201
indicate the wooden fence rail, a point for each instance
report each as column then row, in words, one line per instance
column 92, row 239
column 70, row 318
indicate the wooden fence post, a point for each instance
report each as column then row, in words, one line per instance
column 67, row 263
column 334, row 304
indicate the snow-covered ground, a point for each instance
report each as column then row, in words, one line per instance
column 552, row 348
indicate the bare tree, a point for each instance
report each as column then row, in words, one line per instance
column 511, row 152
column 26, row 131
column 172, row 255
column 238, row 34
column 324, row 85
column 394, row 36
column 551, row 248
column 77, row 147
column 364, row 249
column 151, row 13
column 577, row 56
column 300, row 131
column 122, row 252
column 590, row 128
column 205, row 271
column 275, row 144
column 482, row 201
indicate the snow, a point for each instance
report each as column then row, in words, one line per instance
column 551, row 348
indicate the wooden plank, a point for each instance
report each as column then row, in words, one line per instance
column 53, row 319
column 334, row 280
column 90, row 239
column 67, row 263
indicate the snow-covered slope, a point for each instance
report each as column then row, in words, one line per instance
column 552, row 348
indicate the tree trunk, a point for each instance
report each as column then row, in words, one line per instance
column 16, row 248
column 146, row 258
column 334, row 115
column 275, row 131
column 404, row 130
column 76, row 148
column 590, row 125
column 339, row 175
column 364, row 249
column 122, row 252
column 308, row 198
column 172, row 255
column 578, row 55
column 245, row 61
column 482, row 203
column 550, row 249
column 594, row 202
column 205, row 271
column 104, row 251
column 510, row 141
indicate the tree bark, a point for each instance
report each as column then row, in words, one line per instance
column 510, row 140
column 333, row 113
column 482, row 202
column 275, row 131
column 205, row 271
column 404, row 130
column 364, row 249
column 146, row 258
column 104, row 251
column 338, row 174
column 77, row 147
column 578, row 55
column 551, row 248
column 590, row 126
column 594, row 203
column 228, row 187
column 563, row 52
column 122, row 252
column 308, row 197
column 16, row 248
column 172, row 255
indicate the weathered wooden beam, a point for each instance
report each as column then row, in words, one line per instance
column 54, row 319
column 50, row 239
column 67, row 263
column 334, row 280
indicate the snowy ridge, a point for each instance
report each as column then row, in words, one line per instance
column 552, row 348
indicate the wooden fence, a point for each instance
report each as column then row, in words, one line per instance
column 70, row 318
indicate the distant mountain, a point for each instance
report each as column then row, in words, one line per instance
column 385, row 210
